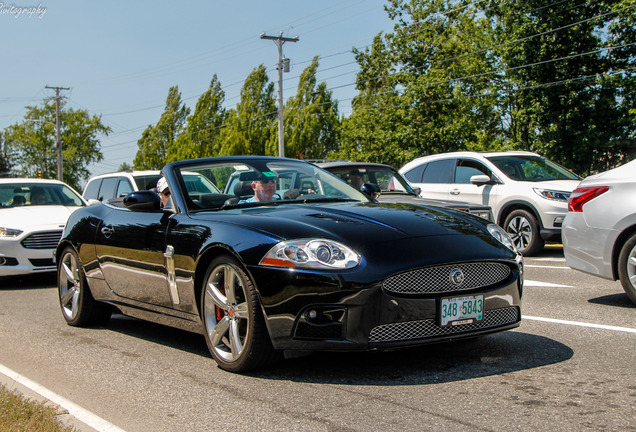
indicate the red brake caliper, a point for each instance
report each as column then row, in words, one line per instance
column 219, row 312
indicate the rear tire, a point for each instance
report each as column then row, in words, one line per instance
column 523, row 228
column 234, row 326
column 627, row 267
column 79, row 308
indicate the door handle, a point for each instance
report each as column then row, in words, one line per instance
column 107, row 231
column 454, row 192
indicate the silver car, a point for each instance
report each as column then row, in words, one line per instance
column 599, row 231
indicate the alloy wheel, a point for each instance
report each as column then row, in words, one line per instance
column 226, row 312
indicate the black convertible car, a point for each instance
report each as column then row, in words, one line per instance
column 320, row 266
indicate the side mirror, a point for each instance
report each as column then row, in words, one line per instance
column 142, row 201
column 481, row 180
column 93, row 201
column 417, row 190
column 371, row 189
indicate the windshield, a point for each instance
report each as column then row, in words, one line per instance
column 531, row 168
column 253, row 182
column 20, row 194
column 385, row 177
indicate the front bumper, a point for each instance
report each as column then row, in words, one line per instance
column 333, row 314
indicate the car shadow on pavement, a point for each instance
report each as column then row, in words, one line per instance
column 616, row 300
column 30, row 281
column 443, row 362
column 431, row 364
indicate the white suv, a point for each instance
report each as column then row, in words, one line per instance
column 114, row 185
column 528, row 193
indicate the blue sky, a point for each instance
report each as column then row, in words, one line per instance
column 119, row 58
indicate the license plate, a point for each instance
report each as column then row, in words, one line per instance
column 461, row 310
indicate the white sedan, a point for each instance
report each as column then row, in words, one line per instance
column 33, row 213
column 599, row 231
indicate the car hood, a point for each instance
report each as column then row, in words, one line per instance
column 25, row 218
column 561, row 185
column 349, row 221
column 413, row 199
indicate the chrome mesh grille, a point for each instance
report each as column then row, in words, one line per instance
column 429, row 328
column 432, row 280
column 42, row 240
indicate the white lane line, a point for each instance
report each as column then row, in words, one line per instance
column 528, row 283
column 544, row 266
column 75, row 410
column 547, row 259
column 581, row 324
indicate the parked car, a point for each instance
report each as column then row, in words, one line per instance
column 394, row 187
column 115, row 185
column 33, row 213
column 599, row 231
column 328, row 270
column 528, row 193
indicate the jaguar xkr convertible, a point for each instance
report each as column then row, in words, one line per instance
column 318, row 265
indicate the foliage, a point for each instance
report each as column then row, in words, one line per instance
column 310, row 119
column 158, row 143
column 201, row 136
column 251, row 124
column 32, row 145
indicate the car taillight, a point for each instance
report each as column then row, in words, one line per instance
column 582, row 195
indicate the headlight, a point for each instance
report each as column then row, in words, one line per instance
column 311, row 254
column 9, row 232
column 502, row 236
column 554, row 195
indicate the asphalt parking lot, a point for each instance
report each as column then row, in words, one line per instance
column 569, row 366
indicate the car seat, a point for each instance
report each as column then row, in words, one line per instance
column 18, row 200
column 243, row 189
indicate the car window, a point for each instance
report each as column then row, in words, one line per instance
column 415, row 175
column 385, row 177
column 531, row 168
column 107, row 188
column 439, row 171
column 466, row 168
column 91, row 191
column 37, row 194
column 123, row 188
column 296, row 182
column 146, row 181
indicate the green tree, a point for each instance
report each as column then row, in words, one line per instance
column 563, row 95
column 311, row 119
column 200, row 137
column 5, row 165
column 32, row 144
column 157, row 144
column 125, row 167
column 376, row 130
column 252, row 122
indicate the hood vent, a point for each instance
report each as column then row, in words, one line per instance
column 334, row 218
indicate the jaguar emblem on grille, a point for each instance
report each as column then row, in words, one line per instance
column 456, row 277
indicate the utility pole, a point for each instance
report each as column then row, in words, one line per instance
column 280, row 40
column 57, row 129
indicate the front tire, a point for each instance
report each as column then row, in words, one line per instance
column 523, row 228
column 627, row 267
column 79, row 308
column 235, row 330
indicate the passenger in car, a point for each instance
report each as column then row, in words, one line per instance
column 164, row 191
column 355, row 178
column 38, row 196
